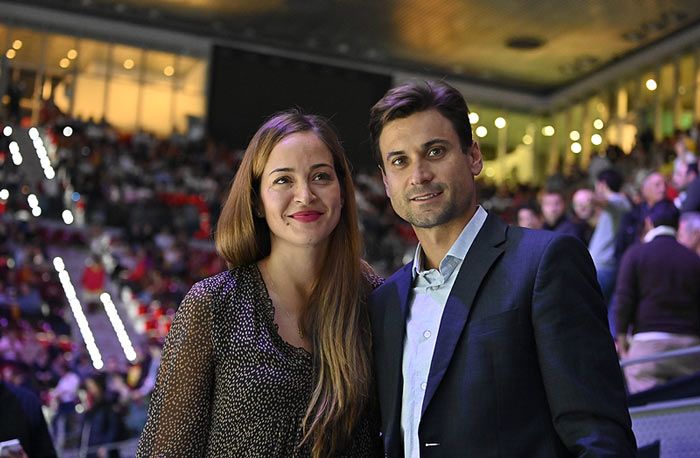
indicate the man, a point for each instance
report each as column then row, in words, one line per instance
column 529, row 216
column 685, row 178
column 658, row 300
column 493, row 341
column 652, row 190
column 553, row 206
column 21, row 418
column 689, row 231
column 612, row 206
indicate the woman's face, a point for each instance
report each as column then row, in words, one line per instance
column 300, row 193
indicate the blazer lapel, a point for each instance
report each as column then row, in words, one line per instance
column 486, row 248
column 394, row 333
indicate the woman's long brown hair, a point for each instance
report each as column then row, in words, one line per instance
column 336, row 318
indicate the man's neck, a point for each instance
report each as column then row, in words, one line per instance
column 436, row 241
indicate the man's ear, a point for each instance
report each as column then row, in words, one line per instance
column 477, row 160
column 386, row 185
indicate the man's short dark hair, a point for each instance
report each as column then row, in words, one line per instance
column 664, row 213
column 531, row 206
column 611, row 178
column 410, row 98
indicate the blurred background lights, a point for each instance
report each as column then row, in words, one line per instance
column 548, row 131
column 33, row 133
column 17, row 44
column 67, row 216
column 598, row 124
column 500, row 122
column 473, row 118
column 32, row 200
column 67, row 131
column 527, row 139
column 574, row 135
column 129, row 64
column 651, row 84
column 11, row 53
column 169, row 70
column 118, row 326
column 4, row 194
column 72, row 54
column 64, row 63
column 36, row 211
column 7, row 131
column 481, row 131
column 75, row 196
column 596, row 139
column 576, row 147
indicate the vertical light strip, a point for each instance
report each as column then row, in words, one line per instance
column 118, row 326
column 78, row 313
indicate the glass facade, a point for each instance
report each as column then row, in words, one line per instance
column 130, row 87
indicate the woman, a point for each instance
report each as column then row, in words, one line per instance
column 272, row 358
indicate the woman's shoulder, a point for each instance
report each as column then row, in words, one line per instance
column 220, row 284
column 372, row 279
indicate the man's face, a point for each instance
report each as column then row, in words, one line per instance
column 654, row 188
column 583, row 204
column 427, row 176
column 529, row 219
column 687, row 237
column 552, row 207
column 681, row 178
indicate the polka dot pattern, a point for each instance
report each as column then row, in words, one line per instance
column 229, row 385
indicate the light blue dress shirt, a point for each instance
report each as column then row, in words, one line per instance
column 431, row 289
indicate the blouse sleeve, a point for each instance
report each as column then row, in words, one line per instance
column 179, row 413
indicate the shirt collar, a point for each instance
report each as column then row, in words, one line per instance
column 657, row 231
column 458, row 251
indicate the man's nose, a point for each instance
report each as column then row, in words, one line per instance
column 421, row 173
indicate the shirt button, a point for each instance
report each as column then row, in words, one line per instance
column 427, row 334
column 423, row 385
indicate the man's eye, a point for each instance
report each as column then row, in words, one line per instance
column 436, row 151
column 398, row 161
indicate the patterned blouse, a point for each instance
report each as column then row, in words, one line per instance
column 229, row 385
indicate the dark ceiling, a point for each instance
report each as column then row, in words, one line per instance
column 538, row 46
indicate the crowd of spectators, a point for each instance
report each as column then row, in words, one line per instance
column 150, row 204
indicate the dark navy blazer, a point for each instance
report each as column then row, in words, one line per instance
column 524, row 364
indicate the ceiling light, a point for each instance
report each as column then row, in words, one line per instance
column 596, row 139
column 576, row 147
column 527, row 139
column 64, row 63
column 17, row 44
column 651, row 84
column 481, row 131
column 473, row 117
column 500, row 122
column 72, row 54
column 11, row 53
column 129, row 64
column 574, row 135
column 598, row 124
column 169, row 70
column 548, row 131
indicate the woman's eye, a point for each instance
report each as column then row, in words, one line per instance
column 323, row 176
column 281, row 180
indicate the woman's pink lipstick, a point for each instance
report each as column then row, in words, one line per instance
column 307, row 217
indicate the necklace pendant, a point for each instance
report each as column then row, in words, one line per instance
column 300, row 331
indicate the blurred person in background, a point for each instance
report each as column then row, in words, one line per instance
column 685, row 179
column 651, row 191
column 254, row 364
column 689, row 231
column 657, row 302
column 553, row 205
column 21, row 418
column 103, row 421
column 610, row 206
column 529, row 216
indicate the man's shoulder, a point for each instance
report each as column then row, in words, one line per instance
column 390, row 283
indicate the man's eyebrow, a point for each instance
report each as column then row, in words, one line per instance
column 391, row 154
column 435, row 141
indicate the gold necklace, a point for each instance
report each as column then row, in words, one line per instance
column 300, row 331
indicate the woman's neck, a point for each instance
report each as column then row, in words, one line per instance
column 293, row 273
